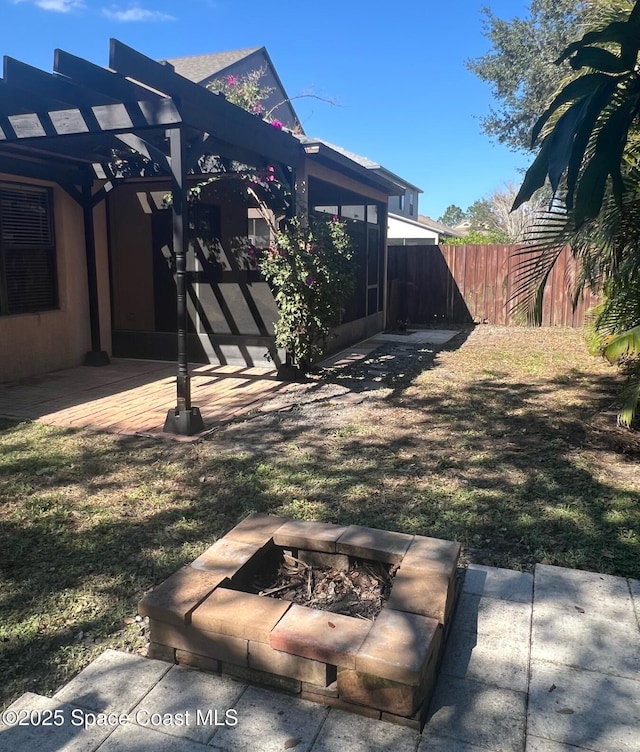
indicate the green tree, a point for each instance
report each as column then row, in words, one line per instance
column 590, row 153
column 480, row 216
column 520, row 65
column 452, row 216
column 491, row 219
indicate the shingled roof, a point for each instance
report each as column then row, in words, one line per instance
column 363, row 161
column 197, row 68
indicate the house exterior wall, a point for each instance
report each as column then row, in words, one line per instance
column 405, row 205
column 131, row 259
column 231, row 319
column 34, row 343
column 399, row 232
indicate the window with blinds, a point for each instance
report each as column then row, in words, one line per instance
column 27, row 249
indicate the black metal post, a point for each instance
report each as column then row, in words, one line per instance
column 96, row 356
column 184, row 419
column 287, row 371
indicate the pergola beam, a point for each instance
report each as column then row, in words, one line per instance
column 204, row 110
column 28, row 168
column 122, row 117
column 100, row 79
column 56, row 86
column 81, row 150
column 76, row 116
column 146, row 149
column 15, row 100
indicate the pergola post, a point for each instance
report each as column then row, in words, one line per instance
column 185, row 419
column 96, row 356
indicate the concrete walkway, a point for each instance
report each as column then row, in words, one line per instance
column 549, row 663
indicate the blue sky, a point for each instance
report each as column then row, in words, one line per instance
column 396, row 72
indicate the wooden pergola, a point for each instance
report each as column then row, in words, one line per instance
column 64, row 127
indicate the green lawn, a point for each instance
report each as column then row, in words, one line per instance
column 491, row 441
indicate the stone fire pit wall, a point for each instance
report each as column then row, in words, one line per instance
column 384, row 668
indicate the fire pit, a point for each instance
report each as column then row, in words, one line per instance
column 329, row 582
column 351, row 617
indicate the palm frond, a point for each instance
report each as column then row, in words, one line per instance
column 622, row 345
column 630, row 397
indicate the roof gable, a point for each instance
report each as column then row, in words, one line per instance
column 202, row 69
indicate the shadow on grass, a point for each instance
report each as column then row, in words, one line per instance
column 92, row 521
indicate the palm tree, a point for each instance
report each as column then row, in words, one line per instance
column 590, row 154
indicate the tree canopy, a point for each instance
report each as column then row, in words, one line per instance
column 520, row 66
column 452, row 216
column 490, row 219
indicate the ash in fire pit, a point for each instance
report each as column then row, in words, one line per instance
column 353, row 587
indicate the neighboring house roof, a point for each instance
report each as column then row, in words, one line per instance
column 413, row 223
column 202, row 69
column 199, row 68
column 432, row 224
column 463, row 228
column 364, row 161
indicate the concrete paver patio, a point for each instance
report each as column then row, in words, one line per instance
column 534, row 663
column 133, row 396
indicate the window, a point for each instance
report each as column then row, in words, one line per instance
column 27, row 249
column 259, row 232
column 352, row 212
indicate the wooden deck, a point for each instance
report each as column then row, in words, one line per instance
column 133, row 396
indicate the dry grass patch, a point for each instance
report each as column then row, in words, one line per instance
column 494, row 441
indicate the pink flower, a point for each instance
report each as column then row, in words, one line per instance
column 310, row 281
column 277, row 124
column 334, row 218
column 231, row 81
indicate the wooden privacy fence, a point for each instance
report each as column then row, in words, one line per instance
column 464, row 283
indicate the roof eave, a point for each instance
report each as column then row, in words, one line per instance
column 323, row 154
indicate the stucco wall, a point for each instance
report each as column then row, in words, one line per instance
column 102, row 264
column 131, row 256
column 34, row 343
